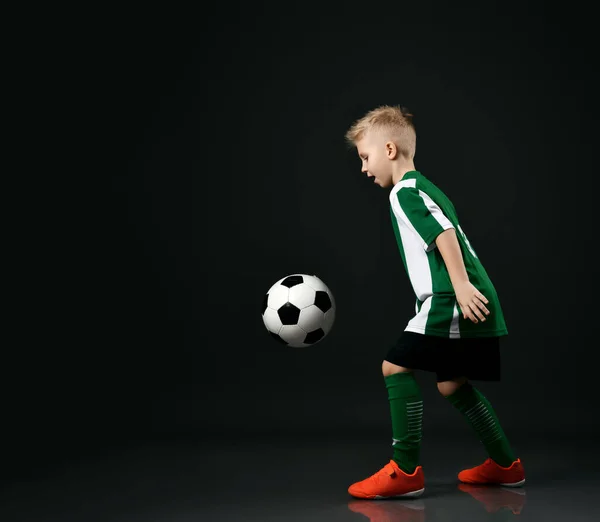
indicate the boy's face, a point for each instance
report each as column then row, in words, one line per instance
column 375, row 161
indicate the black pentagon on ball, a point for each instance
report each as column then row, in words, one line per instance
column 314, row 336
column 276, row 337
column 292, row 281
column 264, row 305
column 289, row 314
column 322, row 300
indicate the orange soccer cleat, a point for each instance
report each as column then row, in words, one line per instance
column 491, row 473
column 390, row 482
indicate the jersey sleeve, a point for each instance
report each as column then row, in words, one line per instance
column 422, row 215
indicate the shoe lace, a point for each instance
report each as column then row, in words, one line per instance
column 387, row 470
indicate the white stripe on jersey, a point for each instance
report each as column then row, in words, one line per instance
column 437, row 213
column 433, row 208
column 414, row 252
column 409, row 183
column 418, row 323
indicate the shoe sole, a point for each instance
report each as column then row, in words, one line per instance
column 411, row 494
column 513, row 484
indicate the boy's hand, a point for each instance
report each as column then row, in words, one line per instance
column 471, row 301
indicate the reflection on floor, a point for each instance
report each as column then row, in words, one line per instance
column 281, row 479
column 493, row 500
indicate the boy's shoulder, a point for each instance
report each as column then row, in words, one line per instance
column 424, row 184
column 415, row 186
column 403, row 189
column 411, row 183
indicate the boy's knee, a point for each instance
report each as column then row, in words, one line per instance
column 447, row 388
column 387, row 368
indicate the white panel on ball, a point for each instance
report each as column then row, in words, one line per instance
column 310, row 318
column 278, row 296
column 302, row 295
column 315, row 283
column 272, row 320
column 293, row 335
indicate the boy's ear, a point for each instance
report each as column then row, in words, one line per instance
column 391, row 150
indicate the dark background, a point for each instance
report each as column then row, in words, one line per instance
column 214, row 164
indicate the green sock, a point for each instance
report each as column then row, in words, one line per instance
column 406, row 407
column 481, row 416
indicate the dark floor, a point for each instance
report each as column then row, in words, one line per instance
column 296, row 480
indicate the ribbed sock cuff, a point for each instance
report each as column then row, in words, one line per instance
column 402, row 385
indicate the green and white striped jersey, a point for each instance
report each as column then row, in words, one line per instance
column 420, row 211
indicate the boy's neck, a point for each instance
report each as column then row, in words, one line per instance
column 402, row 169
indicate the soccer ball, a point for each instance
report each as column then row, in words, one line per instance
column 298, row 310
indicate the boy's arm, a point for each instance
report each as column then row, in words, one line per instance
column 471, row 301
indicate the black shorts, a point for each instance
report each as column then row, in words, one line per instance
column 476, row 359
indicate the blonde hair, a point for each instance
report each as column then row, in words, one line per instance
column 395, row 121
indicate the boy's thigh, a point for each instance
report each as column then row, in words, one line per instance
column 449, row 359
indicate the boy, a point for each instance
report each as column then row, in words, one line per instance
column 458, row 322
